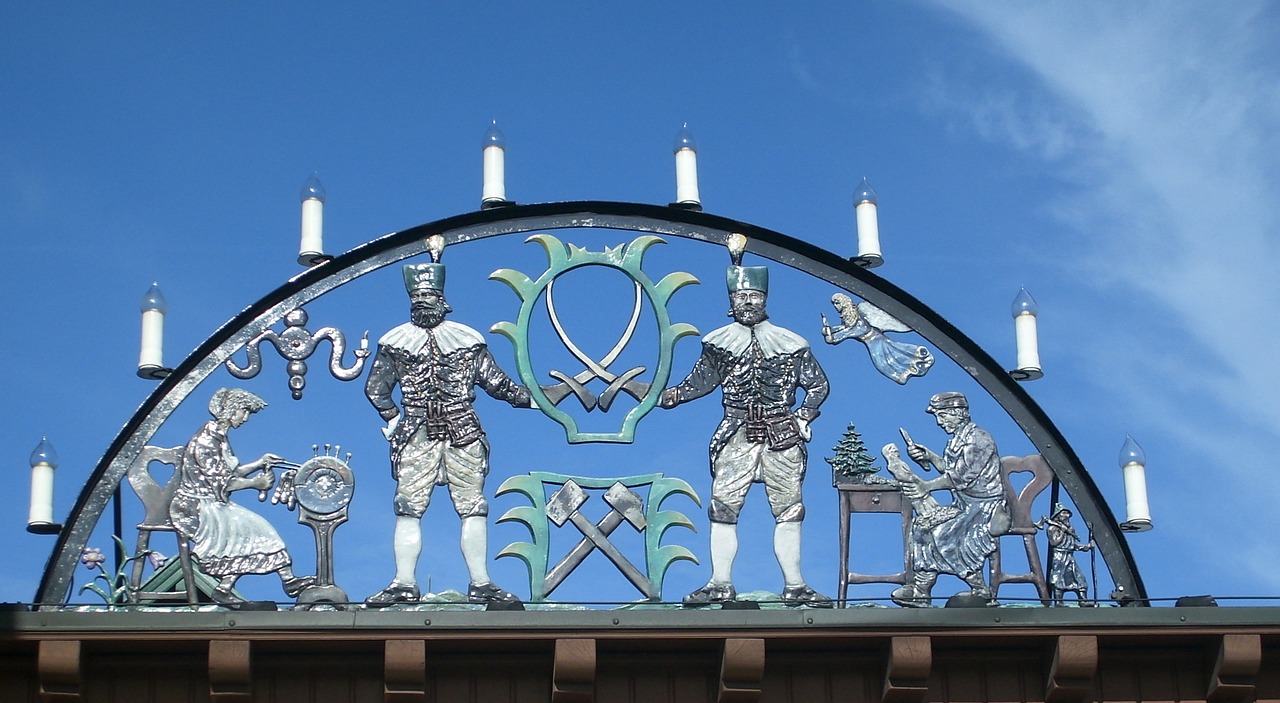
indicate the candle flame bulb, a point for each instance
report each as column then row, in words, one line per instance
column 44, row 453
column 311, row 245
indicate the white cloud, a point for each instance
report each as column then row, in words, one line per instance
column 1179, row 173
column 1183, row 179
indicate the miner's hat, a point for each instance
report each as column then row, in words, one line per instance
column 424, row 276
column 1060, row 508
column 947, row 401
column 747, row 278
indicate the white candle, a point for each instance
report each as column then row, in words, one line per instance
column 495, row 169
column 686, row 168
column 864, row 207
column 868, row 230
column 311, row 246
column 1137, row 509
column 1024, row 329
column 151, row 354
column 41, row 495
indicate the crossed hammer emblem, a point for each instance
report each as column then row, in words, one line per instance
column 626, row 506
column 576, row 385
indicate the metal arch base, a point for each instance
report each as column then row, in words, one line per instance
column 519, row 219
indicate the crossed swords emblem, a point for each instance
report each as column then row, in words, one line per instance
column 626, row 506
column 576, row 385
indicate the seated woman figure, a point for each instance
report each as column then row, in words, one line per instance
column 229, row 540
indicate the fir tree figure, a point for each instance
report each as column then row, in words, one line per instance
column 852, row 464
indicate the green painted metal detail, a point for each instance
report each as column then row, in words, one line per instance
column 536, row 553
column 628, row 259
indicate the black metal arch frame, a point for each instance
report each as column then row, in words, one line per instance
column 517, row 219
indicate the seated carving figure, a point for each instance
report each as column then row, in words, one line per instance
column 229, row 540
column 961, row 543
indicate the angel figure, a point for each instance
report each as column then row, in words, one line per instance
column 867, row 324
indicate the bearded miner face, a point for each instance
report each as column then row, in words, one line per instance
column 746, row 307
column 427, row 308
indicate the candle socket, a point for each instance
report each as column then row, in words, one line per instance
column 492, row 203
column 1136, row 526
column 154, row 373
column 867, row 261
column 308, row 258
column 687, row 205
column 44, row 528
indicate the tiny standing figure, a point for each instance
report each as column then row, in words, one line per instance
column 229, row 540
column 1065, row 573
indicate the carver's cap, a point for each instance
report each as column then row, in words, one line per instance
column 947, row 401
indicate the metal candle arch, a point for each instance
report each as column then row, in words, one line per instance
column 519, row 219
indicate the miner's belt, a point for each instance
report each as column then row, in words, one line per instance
column 442, row 409
column 760, row 412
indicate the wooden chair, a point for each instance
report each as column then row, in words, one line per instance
column 155, row 501
column 1021, row 524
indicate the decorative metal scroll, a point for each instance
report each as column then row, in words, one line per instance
column 626, row 506
column 560, row 260
column 296, row 344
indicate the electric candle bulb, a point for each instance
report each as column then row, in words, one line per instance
column 1133, row 462
column 864, row 207
column 686, row 151
column 495, row 173
column 1024, row 311
column 44, row 460
column 311, row 247
column 151, row 356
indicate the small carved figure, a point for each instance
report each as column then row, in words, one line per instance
column 1065, row 573
column 229, row 540
column 929, row 513
column 437, row 438
column 867, row 323
column 759, row 367
column 970, row 469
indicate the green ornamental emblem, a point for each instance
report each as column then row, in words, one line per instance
column 628, row 259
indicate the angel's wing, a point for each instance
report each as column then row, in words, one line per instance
column 881, row 320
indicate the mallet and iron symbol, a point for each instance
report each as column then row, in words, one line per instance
column 626, row 506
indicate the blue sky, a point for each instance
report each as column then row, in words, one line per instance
column 1117, row 160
